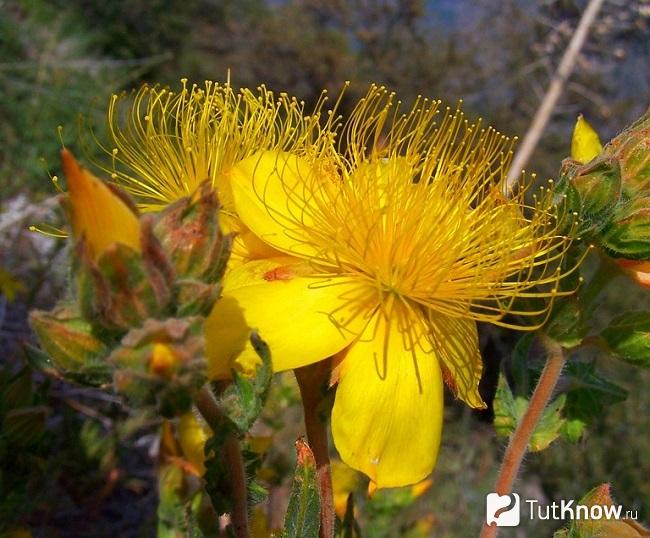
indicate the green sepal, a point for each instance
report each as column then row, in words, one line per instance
column 592, row 191
column 632, row 149
column 628, row 338
column 303, row 513
column 599, row 187
column 628, row 233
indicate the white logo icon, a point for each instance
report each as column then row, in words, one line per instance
column 502, row 509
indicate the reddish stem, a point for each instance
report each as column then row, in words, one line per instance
column 209, row 408
column 313, row 381
column 520, row 439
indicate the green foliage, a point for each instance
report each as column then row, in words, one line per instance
column 302, row 518
column 508, row 411
column 179, row 506
column 585, row 398
column 589, row 394
column 244, row 399
column 240, row 405
column 50, row 71
column 628, row 338
column 23, row 436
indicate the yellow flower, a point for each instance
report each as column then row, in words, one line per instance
column 164, row 144
column 98, row 215
column 391, row 253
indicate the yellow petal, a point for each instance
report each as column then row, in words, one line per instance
column 192, row 436
column 455, row 343
column 98, row 214
column 345, row 480
column 303, row 319
column 246, row 246
column 271, row 195
column 387, row 416
column 585, row 144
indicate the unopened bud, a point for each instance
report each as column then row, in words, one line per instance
column 124, row 287
column 70, row 342
column 162, row 360
column 161, row 365
column 190, row 234
column 585, row 143
column 631, row 149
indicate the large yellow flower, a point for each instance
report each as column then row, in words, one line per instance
column 390, row 253
column 163, row 144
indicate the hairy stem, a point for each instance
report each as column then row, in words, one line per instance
column 520, row 439
column 209, row 408
column 312, row 381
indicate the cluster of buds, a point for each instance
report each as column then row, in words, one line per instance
column 142, row 286
column 609, row 188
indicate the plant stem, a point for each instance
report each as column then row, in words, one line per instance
column 553, row 93
column 520, row 439
column 312, row 381
column 209, row 408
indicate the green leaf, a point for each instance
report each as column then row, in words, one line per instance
column 550, row 426
column 509, row 410
column 506, row 413
column 25, row 426
column 588, row 393
column 176, row 513
column 302, row 519
column 39, row 360
column 18, row 392
column 244, row 400
column 628, row 338
column 573, row 429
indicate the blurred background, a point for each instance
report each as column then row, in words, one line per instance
column 77, row 464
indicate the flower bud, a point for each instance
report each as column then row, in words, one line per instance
column 161, row 365
column 592, row 191
column 123, row 287
column 99, row 215
column 189, row 233
column 585, row 143
column 123, row 274
column 71, row 343
column 631, row 149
